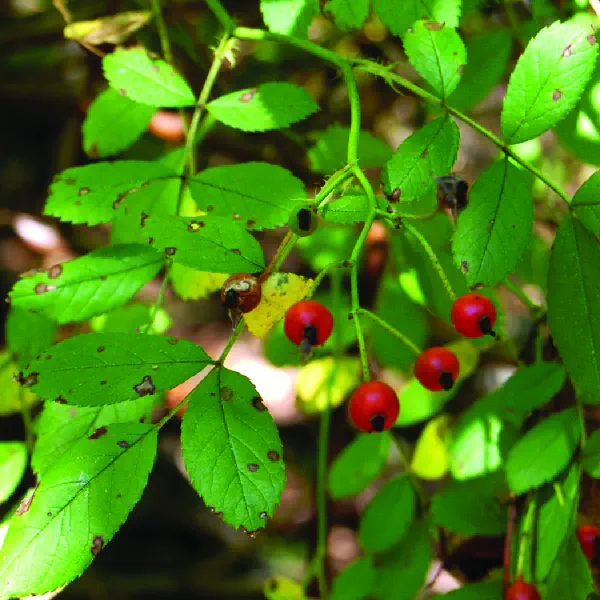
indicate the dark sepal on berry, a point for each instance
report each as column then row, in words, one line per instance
column 486, row 326
column 378, row 422
column 461, row 194
column 304, row 219
column 446, row 380
column 231, row 299
column 310, row 335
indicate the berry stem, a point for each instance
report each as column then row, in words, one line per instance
column 525, row 539
column 405, row 340
column 433, row 258
column 324, row 272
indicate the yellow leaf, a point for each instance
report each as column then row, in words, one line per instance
column 282, row 588
column 314, row 387
column 107, row 30
column 279, row 292
column 190, row 284
column 430, row 459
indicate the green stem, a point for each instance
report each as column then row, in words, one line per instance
column 222, row 15
column 405, row 340
column 433, row 258
column 234, row 336
column 331, row 185
column 526, row 534
column 160, row 298
column 512, row 287
column 325, row 271
column 209, row 82
column 354, row 99
column 581, row 415
column 385, row 73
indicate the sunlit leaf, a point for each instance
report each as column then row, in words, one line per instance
column 430, row 459
column 290, row 17
column 27, row 334
column 586, row 203
column 114, row 29
column 13, row 460
column 348, row 14
column 398, row 21
column 190, row 284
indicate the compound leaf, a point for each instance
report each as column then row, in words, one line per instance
column 91, row 194
column 76, row 510
column 214, row 244
column 13, row 460
column 437, row 53
column 358, row 464
column 290, row 17
column 548, row 80
column 27, row 334
column 527, row 467
column 377, row 531
column 89, row 285
column 424, row 155
column 574, row 305
column 232, row 451
column 590, row 459
column 269, row 106
column 494, row 230
column 113, row 122
column 586, row 203
column 105, row 368
column 257, row 194
column 348, row 14
column 133, row 73
column 399, row 20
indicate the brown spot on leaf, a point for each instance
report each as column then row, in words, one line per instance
column 155, row 68
column 83, row 191
column 25, row 505
column 556, row 95
column 55, row 271
column 118, row 201
column 123, row 92
column 195, row 226
column 567, row 51
column 236, row 216
column 262, row 515
column 251, row 222
column 103, row 382
column 591, row 39
column 170, row 251
column 247, row 96
column 433, row 26
column 100, row 349
column 395, row 195
column 173, row 341
column 98, row 433
column 236, row 251
column 145, row 387
column 350, row 316
column 49, row 514
column 48, row 356
column 250, row 534
column 461, row 68
column 27, row 380
column 119, row 495
column 151, row 240
column 258, row 404
column 143, row 218
column 43, row 288
column 123, row 444
column 61, row 400
column 70, row 181
column 97, row 545
column 226, row 394
column 464, row 265
column 424, row 154
column 252, row 467
column 209, row 208
column 273, row 456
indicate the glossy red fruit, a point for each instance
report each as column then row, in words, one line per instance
column 374, row 407
column 589, row 538
column 520, row 590
column 437, row 369
column 474, row 315
column 307, row 324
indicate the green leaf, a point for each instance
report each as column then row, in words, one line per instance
column 548, row 80
column 258, row 194
column 471, row 507
column 133, row 73
column 571, row 576
column 398, row 21
column 590, row 459
column 437, row 53
column 13, row 396
column 358, row 465
column 13, row 460
column 494, row 230
column 348, row 14
column 76, row 510
column 527, row 467
column 482, row 590
column 352, row 207
column 131, row 318
column 402, row 571
column 328, row 243
column 290, row 17
column 430, row 459
column 27, row 334
column 377, row 531
column 427, row 153
column 60, row 427
column 104, row 368
column 113, row 122
column 487, row 58
column 91, row 194
column 269, row 106
column 574, row 305
column 586, row 203
column 555, row 520
column 89, row 285
column 395, row 307
column 331, row 148
column 232, row 451
column 212, row 244
column 355, row 581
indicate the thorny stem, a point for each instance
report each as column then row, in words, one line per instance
column 215, row 67
column 433, row 258
column 405, row 340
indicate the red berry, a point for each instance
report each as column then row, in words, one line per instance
column 589, row 538
column 374, row 406
column 520, row 590
column 308, row 323
column 474, row 315
column 437, row 369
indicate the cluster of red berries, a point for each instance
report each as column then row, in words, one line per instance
column 589, row 539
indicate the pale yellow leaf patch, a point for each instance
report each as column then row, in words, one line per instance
column 324, row 381
column 190, row 284
column 282, row 588
column 279, row 292
column 431, row 459
column 107, row 30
